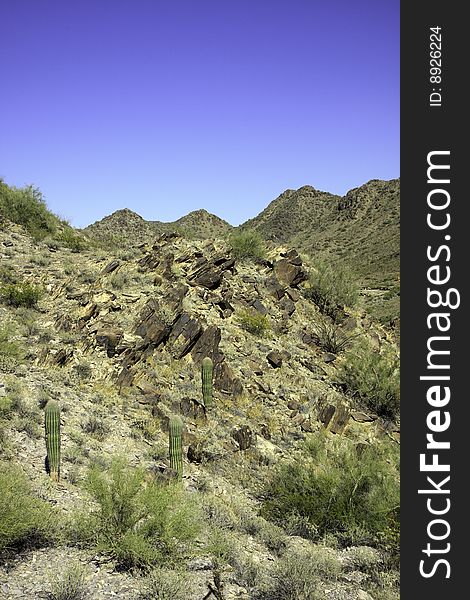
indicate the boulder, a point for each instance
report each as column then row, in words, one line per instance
column 208, row 345
column 289, row 273
column 275, row 359
column 184, row 334
column 109, row 337
column 244, row 437
column 110, row 267
column 225, row 380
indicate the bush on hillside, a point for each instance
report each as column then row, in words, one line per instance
column 254, row 322
column 247, row 245
column 332, row 287
column 25, row 519
column 339, row 490
column 138, row 521
column 373, row 377
column 26, row 207
column 20, row 294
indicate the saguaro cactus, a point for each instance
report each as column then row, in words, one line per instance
column 176, row 446
column 206, row 374
column 52, row 431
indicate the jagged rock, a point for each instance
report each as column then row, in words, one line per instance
column 62, row 357
column 208, row 345
column 287, row 305
column 325, row 414
column 259, row 306
column 90, row 311
column 195, row 453
column 226, row 309
column 183, row 336
column 275, row 359
column 339, row 419
column 329, row 357
column 244, row 437
column 225, row 380
column 152, row 328
column 189, row 407
column 293, row 294
column 290, row 273
column 274, row 288
column 361, row 417
column 110, row 267
column 208, row 276
column 109, row 337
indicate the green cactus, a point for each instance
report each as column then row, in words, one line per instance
column 206, row 374
column 52, row 430
column 176, row 446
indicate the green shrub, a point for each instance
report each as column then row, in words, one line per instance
column 332, row 287
column 72, row 240
column 298, row 575
column 373, row 377
column 355, row 497
column 8, row 347
column 70, row 584
column 8, row 274
column 26, row 207
column 164, row 584
column 25, row 519
column 137, row 521
column 20, row 294
column 254, row 322
column 247, row 245
column 330, row 336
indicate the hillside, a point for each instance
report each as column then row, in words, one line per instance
column 360, row 231
column 265, row 499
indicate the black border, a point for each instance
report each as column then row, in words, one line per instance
column 425, row 129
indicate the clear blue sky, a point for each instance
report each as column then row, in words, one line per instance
column 168, row 106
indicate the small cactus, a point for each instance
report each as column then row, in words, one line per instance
column 176, row 446
column 52, row 431
column 206, row 374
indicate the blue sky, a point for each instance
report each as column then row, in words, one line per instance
column 167, row 107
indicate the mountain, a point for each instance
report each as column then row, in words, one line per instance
column 198, row 224
column 360, row 229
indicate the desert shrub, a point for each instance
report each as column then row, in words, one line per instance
column 298, row 575
column 8, row 274
column 72, row 240
column 94, row 425
column 26, row 207
column 247, row 245
column 9, row 348
column 119, row 280
column 25, row 519
column 330, row 335
column 20, row 294
column 254, row 322
column 164, row 584
column 137, row 521
column 337, row 491
column 332, row 287
column 70, row 584
column 373, row 377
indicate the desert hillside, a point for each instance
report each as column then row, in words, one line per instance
column 219, row 413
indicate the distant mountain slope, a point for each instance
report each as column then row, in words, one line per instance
column 198, row 224
column 360, row 229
